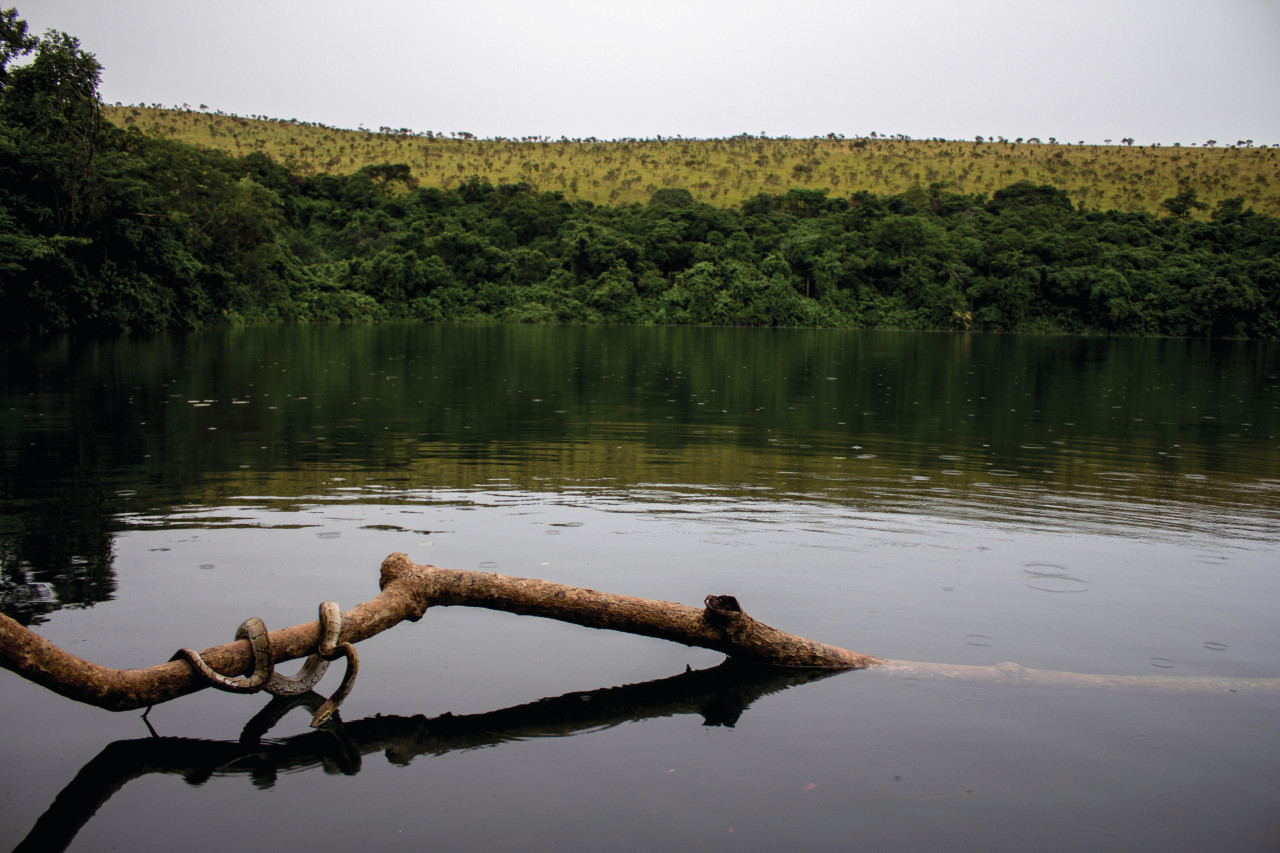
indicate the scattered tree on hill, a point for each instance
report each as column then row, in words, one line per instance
column 1181, row 205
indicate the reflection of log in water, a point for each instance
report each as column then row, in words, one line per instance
column 719, row 695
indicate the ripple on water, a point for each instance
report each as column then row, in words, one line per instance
column 1124, row 476
column 1216, row 647
column 1083, row 836
column 978, row 640
column 1057, row 584
column 974, row 695
column 1146, row 742
column 1050, row 577
column 1162, row 663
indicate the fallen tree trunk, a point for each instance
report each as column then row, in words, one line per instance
column 408, row 590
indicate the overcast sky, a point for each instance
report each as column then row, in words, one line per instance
column 1156, row 70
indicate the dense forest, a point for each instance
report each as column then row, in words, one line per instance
column 105, row 229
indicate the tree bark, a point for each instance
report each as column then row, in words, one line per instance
column 408, row 589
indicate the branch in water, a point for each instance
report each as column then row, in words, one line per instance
column 408, row 590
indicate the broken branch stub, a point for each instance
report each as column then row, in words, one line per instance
column 721, row 626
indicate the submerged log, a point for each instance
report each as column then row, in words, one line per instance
column 1012, row 673
column 408, row 589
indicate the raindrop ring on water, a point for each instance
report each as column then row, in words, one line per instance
column 1057, row 583
column 975, row 695
column 1054, row 580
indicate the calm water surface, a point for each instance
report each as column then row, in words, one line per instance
column 1085, row 505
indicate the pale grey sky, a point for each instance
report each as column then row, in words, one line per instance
column 1156, row 70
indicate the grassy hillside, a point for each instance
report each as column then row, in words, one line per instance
column 726, row 171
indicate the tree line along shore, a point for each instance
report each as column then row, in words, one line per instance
column 106, row 228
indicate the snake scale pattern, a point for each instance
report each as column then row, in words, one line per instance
column 264, row 676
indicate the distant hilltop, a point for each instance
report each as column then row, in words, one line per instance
column 725, row 172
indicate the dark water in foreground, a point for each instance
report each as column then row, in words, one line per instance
column 1084, row 505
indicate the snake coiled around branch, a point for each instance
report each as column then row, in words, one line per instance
column 264, row 676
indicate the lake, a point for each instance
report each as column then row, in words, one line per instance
column 1083, row 505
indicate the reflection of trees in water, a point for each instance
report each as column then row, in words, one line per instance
column 61, row 557
column 196, row 419
column 720, row 695
column 55, row 537
column 76, row 415
column 21, row 597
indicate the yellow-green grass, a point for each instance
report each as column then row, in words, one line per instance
column 727, row 171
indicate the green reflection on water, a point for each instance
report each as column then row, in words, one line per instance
column 1007, row 428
